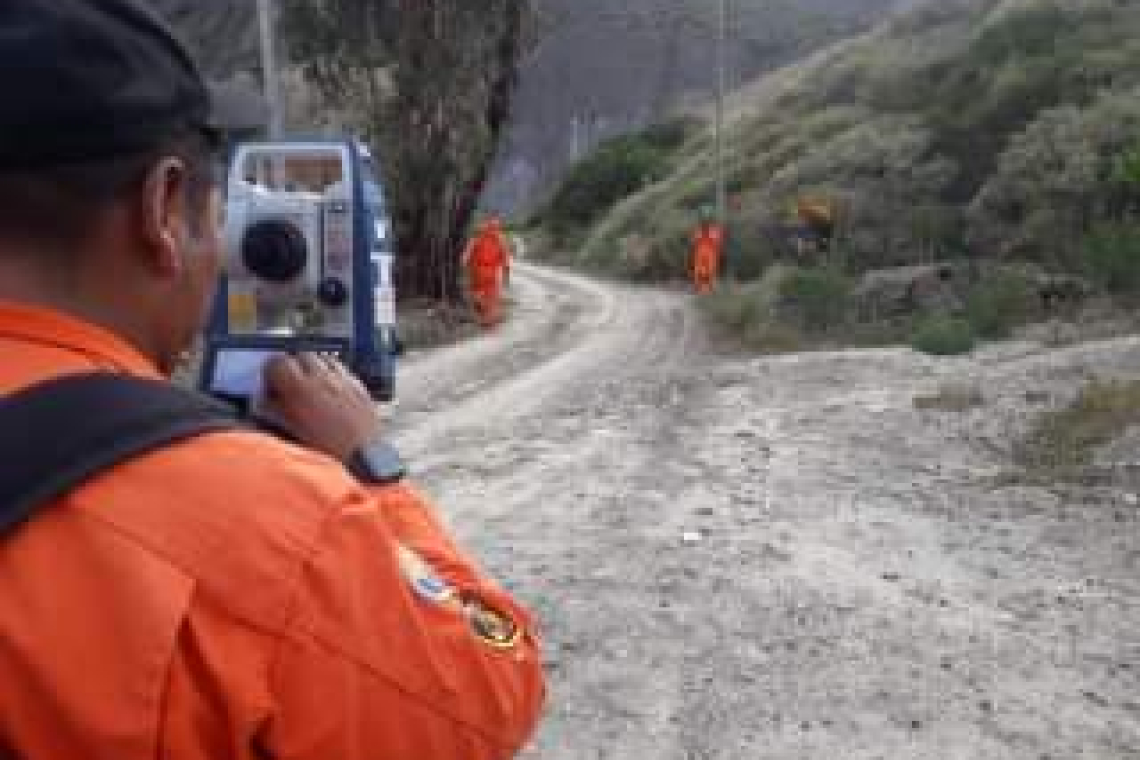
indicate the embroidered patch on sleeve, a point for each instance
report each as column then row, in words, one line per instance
column 423, row 580
column 490, row 625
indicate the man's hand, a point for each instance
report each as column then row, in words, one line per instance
column 320, row 402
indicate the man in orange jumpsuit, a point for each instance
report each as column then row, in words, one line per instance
column 708, row 242
column 488, row 265
column 231, row 596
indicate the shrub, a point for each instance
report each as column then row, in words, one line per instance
column 951, row 398
column 747, row 250
column 596, row 183
column 1055, row 176
column 1111, row 259
column 735, row 308
column 671, row 134
column 668, row 251
column 744, row 178
column 944, row 336
column 1026, row 32
column 1129, row 167
column 1067, row 438
column 616, row 169
column 816, row 299
column 999, row 304
column 743, row 314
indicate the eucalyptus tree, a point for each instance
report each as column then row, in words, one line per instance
column 429, row 84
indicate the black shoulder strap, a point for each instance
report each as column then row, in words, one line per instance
column 56, row 435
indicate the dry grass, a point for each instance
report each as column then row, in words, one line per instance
column 951, row 398
column 1064, row 441
column 427, row 324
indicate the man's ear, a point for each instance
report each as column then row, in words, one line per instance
column 166, row 214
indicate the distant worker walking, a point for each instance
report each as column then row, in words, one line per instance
column 708, row 242
column 488, row 263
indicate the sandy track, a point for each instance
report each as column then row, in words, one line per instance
column 781, row 558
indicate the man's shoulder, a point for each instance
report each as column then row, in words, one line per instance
column 239, row 512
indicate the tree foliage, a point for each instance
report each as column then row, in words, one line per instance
column 1111, row 259
column 429, row 84
column 1060, row 178
column 222, row 33
column 615, row 169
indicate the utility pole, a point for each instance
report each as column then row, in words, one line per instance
column 575, row 138
column 722, row 41
column 265, row 20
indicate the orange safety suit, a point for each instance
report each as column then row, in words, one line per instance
column 488, row 260
column 707, row 244
column 234, row 597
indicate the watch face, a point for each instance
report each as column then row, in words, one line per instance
column 382, row 462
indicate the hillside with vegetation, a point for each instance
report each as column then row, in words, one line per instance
column 596, row 69
column 980, row 130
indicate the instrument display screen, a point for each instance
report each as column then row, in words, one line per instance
column 234, row 369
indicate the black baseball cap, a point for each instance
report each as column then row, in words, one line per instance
column 84, row 80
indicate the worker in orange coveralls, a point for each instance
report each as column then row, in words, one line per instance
column 232, row 595
column 488, row 261
column 708, row 243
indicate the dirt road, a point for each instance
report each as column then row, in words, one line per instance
column 781, row 557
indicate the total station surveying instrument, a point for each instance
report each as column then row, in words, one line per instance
column 309, row 259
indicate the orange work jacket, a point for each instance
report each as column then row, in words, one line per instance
column 234, row 597
column 487, row 259
column 707, row 244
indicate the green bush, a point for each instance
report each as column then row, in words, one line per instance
column 1129, row 167
column 998, row 305
column 743, row 314
column 747, row 250
column 667, row 258
column 1028, row 32
column 616, row 169
column 735, row 308
column 670, row 135
column 1111, row 259
column 944, row 336
column 613, row 171
column 815, row 298
column 744, row 178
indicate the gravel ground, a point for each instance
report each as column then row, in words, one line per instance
column 782, row 557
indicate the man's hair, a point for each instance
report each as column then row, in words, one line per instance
column 56, row 207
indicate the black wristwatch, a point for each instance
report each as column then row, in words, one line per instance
column 377, row 463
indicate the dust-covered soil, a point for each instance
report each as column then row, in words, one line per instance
column 783, row 557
